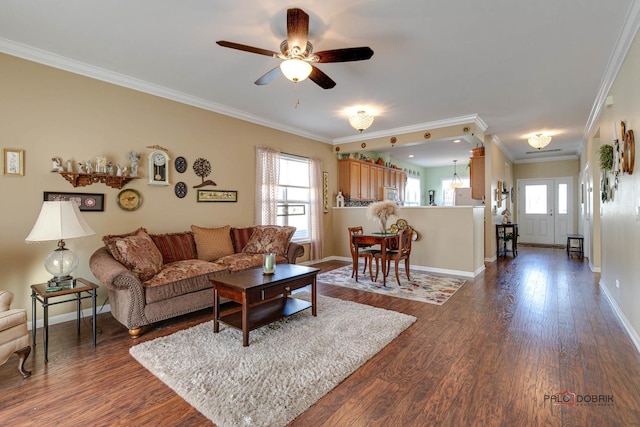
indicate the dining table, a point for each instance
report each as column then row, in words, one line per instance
column 385, row 240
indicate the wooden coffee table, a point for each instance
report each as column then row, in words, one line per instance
column 259, row 299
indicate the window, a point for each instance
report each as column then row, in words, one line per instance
column 448, row 192
column 535, row 199
column 294, row 195
column 412, row 192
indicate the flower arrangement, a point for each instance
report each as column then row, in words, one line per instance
column 381, row 211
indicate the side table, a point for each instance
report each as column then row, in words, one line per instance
column 502, row 231
column 39, row 292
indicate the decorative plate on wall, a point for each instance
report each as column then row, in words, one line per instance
column 181, row 164
column 129, row 199
column 181, row 189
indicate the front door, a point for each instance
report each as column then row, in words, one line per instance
column 545, row 210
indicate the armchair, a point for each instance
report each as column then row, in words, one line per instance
column 14, row 337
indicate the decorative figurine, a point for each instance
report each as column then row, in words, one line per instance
column 80, row 168
column 101, row 165
column 135, row 158
column 110, row 168
column 89, row 166
column 506, row 216
column 340, row 200
column 69, row 166
column 118, row 170
column 55, row 165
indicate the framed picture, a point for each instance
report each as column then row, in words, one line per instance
column 13, row 162
column 92, row 202
column 325, row 191
column 217, row 196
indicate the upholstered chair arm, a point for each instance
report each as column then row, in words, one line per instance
column 295, row 250
column 5, row 300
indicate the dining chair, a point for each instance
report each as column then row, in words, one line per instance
column 402, row 252
column 363, row 252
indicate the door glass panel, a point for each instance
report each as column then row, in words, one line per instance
column 535, row 199
column 562, row 199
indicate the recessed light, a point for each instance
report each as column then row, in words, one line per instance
column 410, row 155
column 456, row 141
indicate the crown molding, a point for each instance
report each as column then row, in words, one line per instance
column 66, row 64
column 498, row 143
column 421, row 127
column 621, row 48
column 548, row 159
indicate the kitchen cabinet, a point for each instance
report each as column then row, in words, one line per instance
column 476, row 177
column 362, row 181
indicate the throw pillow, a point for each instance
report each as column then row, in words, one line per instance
column 137, row 252
column 176, row 246
column 212, row 243
column 240, row 237
column 270, row 238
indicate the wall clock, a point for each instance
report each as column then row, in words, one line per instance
column 129, row 199
column 158, row 162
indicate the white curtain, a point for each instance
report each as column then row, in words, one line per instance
column 267, row 179
column 316, row 196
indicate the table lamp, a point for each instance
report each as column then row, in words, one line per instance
column 60, row 220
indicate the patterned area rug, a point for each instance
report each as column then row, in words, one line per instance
column 422, row 287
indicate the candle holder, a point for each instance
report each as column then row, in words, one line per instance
column 268, row 263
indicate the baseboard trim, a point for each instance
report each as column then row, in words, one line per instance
column 618, row 311
column 460, row 273
column 66, row 317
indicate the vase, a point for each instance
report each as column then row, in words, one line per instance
column 268, row 263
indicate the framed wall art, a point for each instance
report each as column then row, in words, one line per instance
column 325, row 191
column 13, row 161
column 91, row 202
column 217, row 196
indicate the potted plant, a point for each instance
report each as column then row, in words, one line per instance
column 381, row 211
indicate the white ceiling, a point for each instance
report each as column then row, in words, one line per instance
column 521, row 66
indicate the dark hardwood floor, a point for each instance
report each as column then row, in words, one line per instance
column 528, row 328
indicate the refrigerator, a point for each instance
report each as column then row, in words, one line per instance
column 462, row 197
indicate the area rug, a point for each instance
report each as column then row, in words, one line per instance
column 286, row 368
column 422, row 286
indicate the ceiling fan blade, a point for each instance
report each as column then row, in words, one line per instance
column 297, row 29
column 246, row 48
column 269, row 76
column 321, row 79
column 345, row 55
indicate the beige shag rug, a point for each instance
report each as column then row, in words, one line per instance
column 286, row 368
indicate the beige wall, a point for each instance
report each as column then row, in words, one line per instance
column 620, row 229
column 498, row 167
column 48, row 112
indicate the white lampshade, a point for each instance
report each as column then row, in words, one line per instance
column 59, row 221
column 295, row 70
column 539, row 141
column 361, row 120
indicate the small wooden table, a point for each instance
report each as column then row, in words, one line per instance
column 384, row 240
column 502, row 230
column 39, row 293
column 259, row 299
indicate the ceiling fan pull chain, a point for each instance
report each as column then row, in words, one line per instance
column 295, row 105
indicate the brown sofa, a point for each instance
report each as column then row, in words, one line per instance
column 155, row 277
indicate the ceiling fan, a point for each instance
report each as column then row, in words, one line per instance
column 298, row 56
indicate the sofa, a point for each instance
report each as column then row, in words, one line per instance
column 153, row 277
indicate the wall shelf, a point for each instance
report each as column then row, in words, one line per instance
column 83, row 179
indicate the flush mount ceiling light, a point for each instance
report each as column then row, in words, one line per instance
column 539, row 141
column 456, row 182
column 361, row 120
column 295, row 70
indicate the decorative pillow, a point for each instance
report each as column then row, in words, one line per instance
column 240, row 237
column 110, row 239
column 269, row 238
column 137, row 252
column 212, row 243
column 176, row 246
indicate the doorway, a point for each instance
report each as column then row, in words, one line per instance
column 545, row 210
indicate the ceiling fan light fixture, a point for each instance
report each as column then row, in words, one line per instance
column 295, row 70
column 539, row 141
column 361, row 120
